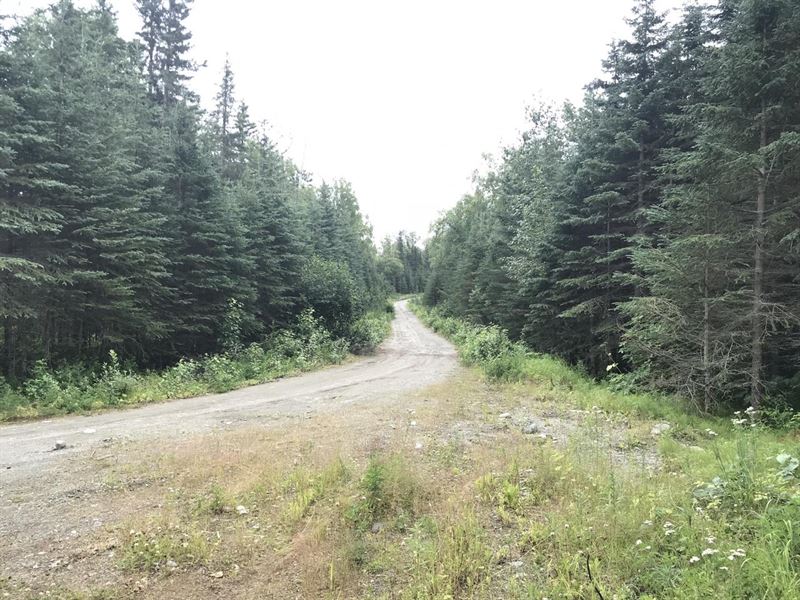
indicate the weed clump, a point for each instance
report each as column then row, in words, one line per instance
column 389, row 491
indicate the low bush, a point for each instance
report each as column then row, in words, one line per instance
column 74, row 388
column 366, row 333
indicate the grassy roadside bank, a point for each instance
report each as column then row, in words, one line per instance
column 305, row 347
column 720, row 515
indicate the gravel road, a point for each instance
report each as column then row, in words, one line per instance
column 56, row 505
column 412, row 358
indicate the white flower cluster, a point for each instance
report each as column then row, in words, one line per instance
column 741, row 421
column 669, row 528
column 737, row 553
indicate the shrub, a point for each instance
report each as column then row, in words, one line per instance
column 509, row 366
column 42, row 387
column 179, row 379
column 78, row 387
column 220, row 372
column 485, row 344
column 114, row 385
column 254, row 363
column 368, row 332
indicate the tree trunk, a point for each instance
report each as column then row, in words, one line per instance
column 8, row 350
column 640, row 190
column 756, row 384
column 706, row 343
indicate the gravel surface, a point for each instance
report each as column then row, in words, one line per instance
column 53, row 501
column 412, row 358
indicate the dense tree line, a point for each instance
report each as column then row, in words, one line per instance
column 654, row 230
column 403, row 263
column 132, row 220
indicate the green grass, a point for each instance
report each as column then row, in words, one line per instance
column 719, row 517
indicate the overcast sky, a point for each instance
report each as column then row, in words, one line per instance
column 402, row 99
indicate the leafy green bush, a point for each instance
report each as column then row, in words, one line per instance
column 220, row 372
column 369, row 331
column 178, row 379
column 509, row 366
column 488, row 347
column 42, row 387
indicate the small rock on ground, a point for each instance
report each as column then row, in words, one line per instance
column 531, row 428
column 659, row 428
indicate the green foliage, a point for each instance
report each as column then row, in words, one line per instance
column 403, row 264
column 130, row 222
column 231, row 336
column 514, row 363
column 389, row 491
column 305, row 346
column 652, row 229
column 366, row 333
column 487, row 347
column 329, row 289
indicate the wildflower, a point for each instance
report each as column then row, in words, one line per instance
column 738, row 421
column 724, row 568
column 738, row 553
column 648, row 547
column 694, row 559
column 647, row 523
column 711, row 539
column 750, row 411
column 638, row 542
column 737, row 412
column 709, row 551
column 711, row 433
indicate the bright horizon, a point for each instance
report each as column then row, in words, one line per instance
column 403, row 102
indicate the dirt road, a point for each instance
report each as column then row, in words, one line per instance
column 54, row 503
column 411, row 358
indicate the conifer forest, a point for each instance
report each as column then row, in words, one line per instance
column 225, row 375
column 132, row 221
column 652, row 233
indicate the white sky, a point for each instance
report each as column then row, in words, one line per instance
column 402, row 99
